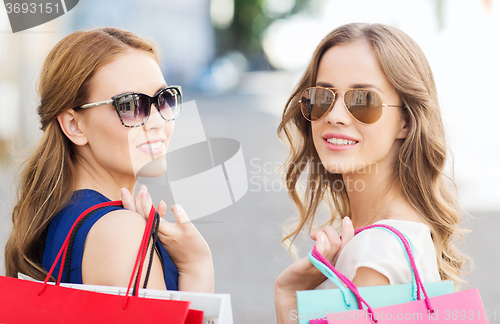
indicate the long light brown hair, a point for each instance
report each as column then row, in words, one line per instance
column 419, row 169
column 46, row 182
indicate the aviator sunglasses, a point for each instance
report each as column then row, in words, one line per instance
column 134, row 108
column 364, row 105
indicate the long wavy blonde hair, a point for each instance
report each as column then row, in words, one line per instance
column 419, row 168
column 46, row 182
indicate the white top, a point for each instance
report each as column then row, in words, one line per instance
column 379, row 250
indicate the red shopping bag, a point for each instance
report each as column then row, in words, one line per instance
column 464, row 306
column 23, row 301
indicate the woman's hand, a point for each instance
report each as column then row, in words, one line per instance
column 302, row 275
column 185, row 245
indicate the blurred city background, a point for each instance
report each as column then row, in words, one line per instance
column 240, row 59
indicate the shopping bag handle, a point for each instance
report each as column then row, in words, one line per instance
column 153, row 220
column 345, row 292
column 408, row 253
column 330, row 275
column 414, row 287
column 314, row 254
column 352, row 287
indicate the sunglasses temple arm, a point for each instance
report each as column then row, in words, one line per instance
column 100, row 103
column 395, row 106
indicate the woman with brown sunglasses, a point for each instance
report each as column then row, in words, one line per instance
column 107, row 116
column 365, row 118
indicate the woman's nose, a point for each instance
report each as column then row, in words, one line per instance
column 338, row 114
column 155, row 120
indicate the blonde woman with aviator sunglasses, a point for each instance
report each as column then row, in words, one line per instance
column 365, row 119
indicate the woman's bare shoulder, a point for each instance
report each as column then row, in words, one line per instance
column 114, row 222
column 111, row 248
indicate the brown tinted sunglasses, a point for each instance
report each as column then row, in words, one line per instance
column 364, row 105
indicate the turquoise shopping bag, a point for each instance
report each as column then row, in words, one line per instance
column 314, row 304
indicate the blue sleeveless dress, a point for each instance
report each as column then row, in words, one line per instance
column 61, row 224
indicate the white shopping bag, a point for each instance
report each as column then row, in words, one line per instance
column 216, row 307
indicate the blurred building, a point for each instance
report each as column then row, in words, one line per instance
column 21, row 56
column 182, row 29
column 8, row 88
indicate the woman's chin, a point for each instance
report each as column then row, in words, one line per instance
column 154, row 168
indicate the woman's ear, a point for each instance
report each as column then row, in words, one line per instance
column 69, row 121
column 404, row 125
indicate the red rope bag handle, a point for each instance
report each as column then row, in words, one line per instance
column 150, row 233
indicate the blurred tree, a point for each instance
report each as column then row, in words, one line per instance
column 440, row 13
column 251, row 18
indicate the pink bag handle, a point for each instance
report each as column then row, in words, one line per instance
column 140, row 256
column 353, row 287
column 410, row 256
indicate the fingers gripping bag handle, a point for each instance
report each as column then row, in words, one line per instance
column 345, row 292
column 333, row 274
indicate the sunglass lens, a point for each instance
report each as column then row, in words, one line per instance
column 364, row 105
column 315, row 102
column 134, row 109
column 169, row 104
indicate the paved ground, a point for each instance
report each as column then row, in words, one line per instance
column 245, row 237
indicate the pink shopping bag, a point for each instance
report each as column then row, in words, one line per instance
column 464, row 306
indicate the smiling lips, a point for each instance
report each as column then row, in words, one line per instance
column 338, row 142
column 152, row 147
